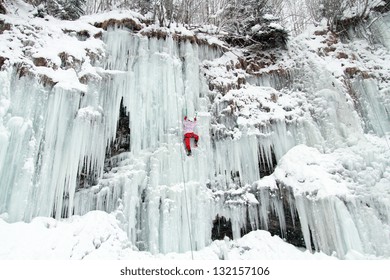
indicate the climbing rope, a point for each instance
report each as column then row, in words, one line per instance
column 185, row 190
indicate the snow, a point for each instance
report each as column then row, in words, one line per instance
column 269, row 17
column 276, row 26
column 321, row 135
column 65, row 79
column 311, row 172
column 89, row 113
column 98, row 235
column 95, row 234
column 115, row 14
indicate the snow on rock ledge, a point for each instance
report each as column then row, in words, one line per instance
column 309, row 172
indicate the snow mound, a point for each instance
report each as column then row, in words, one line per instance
column 261, row 245
column 308, row 171
column 360, row 169
column 98, row 235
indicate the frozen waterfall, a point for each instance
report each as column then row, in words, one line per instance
column 292, row 157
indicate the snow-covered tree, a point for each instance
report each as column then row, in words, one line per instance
column 54, row 8
column 252, row 22
column 63, row 9
column 74, row 8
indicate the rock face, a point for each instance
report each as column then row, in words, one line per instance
column 2, row 61
column 2, row 8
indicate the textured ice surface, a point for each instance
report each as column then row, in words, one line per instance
column 324, row 133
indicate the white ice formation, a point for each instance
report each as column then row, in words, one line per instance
column 300, row 154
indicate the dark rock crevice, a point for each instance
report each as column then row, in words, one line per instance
column 2, row 8
column 88, row 177
column 265, row 168
column 221, row 228
column 121, row 143
column 291, row 231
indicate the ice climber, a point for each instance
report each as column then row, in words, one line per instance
column 189, row 133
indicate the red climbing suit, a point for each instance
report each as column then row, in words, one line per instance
column 189, row 133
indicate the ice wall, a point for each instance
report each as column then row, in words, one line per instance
column 373, row 94
column 167, row 201
column 379, row 26
column 46, row 143
column 219, row 179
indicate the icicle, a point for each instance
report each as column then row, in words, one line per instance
column 373, row 111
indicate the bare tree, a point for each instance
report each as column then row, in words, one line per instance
column 230, row 15
column 338, row 12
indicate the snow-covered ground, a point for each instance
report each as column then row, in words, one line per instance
column 97, row 235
